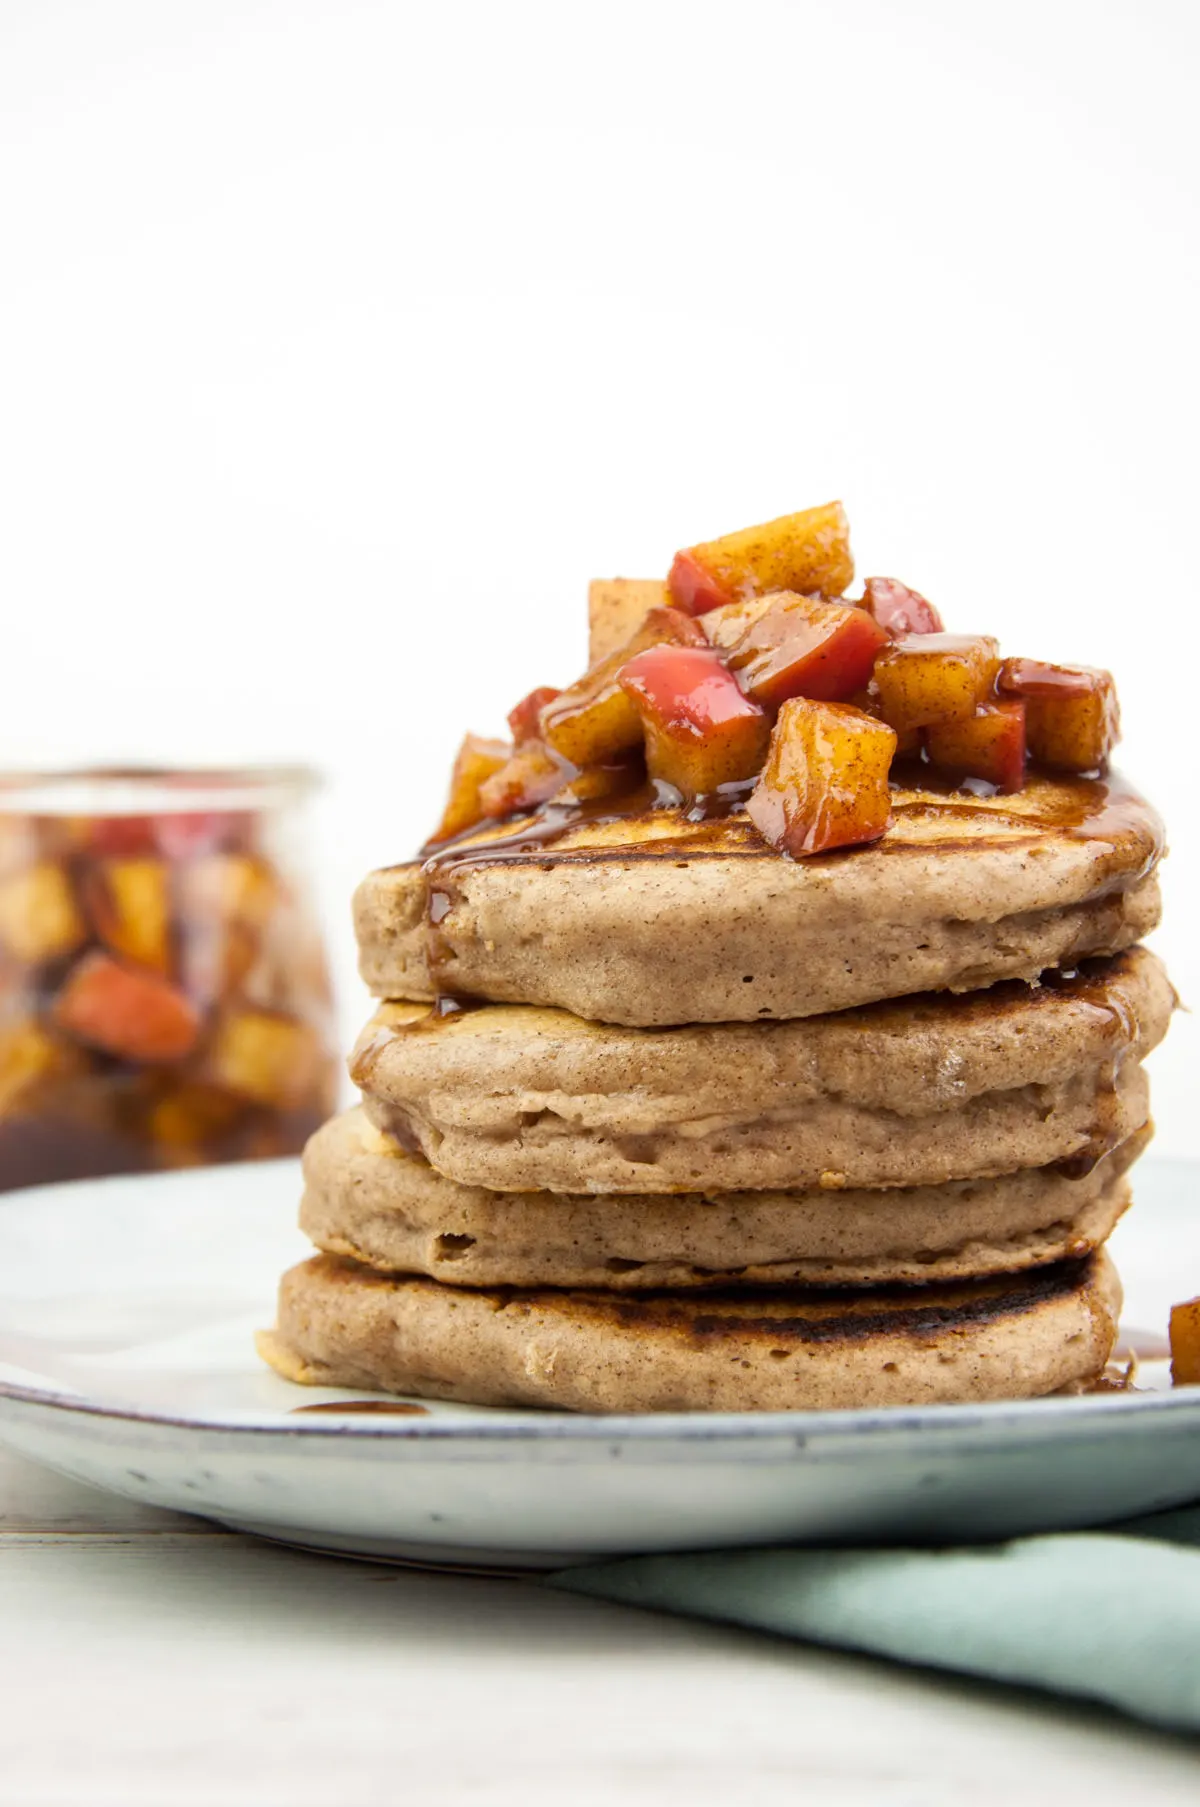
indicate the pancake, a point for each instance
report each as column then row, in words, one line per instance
column 367, row 1199
column 1018, row 1337
column 937, row 1088
column 651, row 919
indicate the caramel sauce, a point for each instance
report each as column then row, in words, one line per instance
column 1114, row 1379
column 1101, row 993
column 1132, row 1347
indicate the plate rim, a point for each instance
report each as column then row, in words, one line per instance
column 799, row 1427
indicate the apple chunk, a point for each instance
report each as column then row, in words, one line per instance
column 796, row 646
column 40, row 920
column 1071, row 715
column 910, row 742
column 265, row 1056
column 477, row 760
column 30, row 1059
column 523, row 721
column 927, row 678
column 529, row 778
column 807, row 552
column 595, row 720
column 701, row 732
column 617, row 606
column 990, row 744
column 825, row 783
column 132, row 1014
column 1185, row 1344
column 130, row 905
column 899, row 610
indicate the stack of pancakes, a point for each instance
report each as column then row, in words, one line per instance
column 654, row 1119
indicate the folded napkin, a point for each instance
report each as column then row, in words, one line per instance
column 1111, row 1615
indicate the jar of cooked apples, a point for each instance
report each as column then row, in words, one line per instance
column 164, row 992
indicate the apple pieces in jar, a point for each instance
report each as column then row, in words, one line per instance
column 129, row 902
column 263, row 1056
column 226, row 903
column 123, row 1011
column 40, row 919
column 825, row 784
column 807, row 552
column 700, row 731
column 122, row 964
column 32, row 1061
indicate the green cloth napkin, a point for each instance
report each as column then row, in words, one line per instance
column 1111, row 1615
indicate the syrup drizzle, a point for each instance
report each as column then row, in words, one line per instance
column 1106, row 994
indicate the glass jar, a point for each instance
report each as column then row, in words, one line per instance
column 164, row 992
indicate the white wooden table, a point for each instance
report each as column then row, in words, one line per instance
column 150, row 1660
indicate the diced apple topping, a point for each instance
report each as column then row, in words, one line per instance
column 899, row 610
column 39, row 918
column 807, row 552
column 785, row 645
column 695, row 589
column 701, row 732
column 617, row 606
column 130, row 905
column 910, row 742
column 1072, row 720
column 1185, row 1344
column 523, row 721
column 595, row 720
column 754, row 627
column 598, row 783
column 927, row 678
column 530, row 777
column 825, row 783
column 132, row 1014
column 989, row 744
column 477, row 760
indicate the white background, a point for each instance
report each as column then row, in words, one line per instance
column 340, row 344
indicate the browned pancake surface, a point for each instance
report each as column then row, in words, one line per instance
column 655, row 919
column 1011, row 1338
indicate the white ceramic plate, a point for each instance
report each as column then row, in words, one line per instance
column 127, row 1308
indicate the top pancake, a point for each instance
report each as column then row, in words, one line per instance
column 653, row 919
